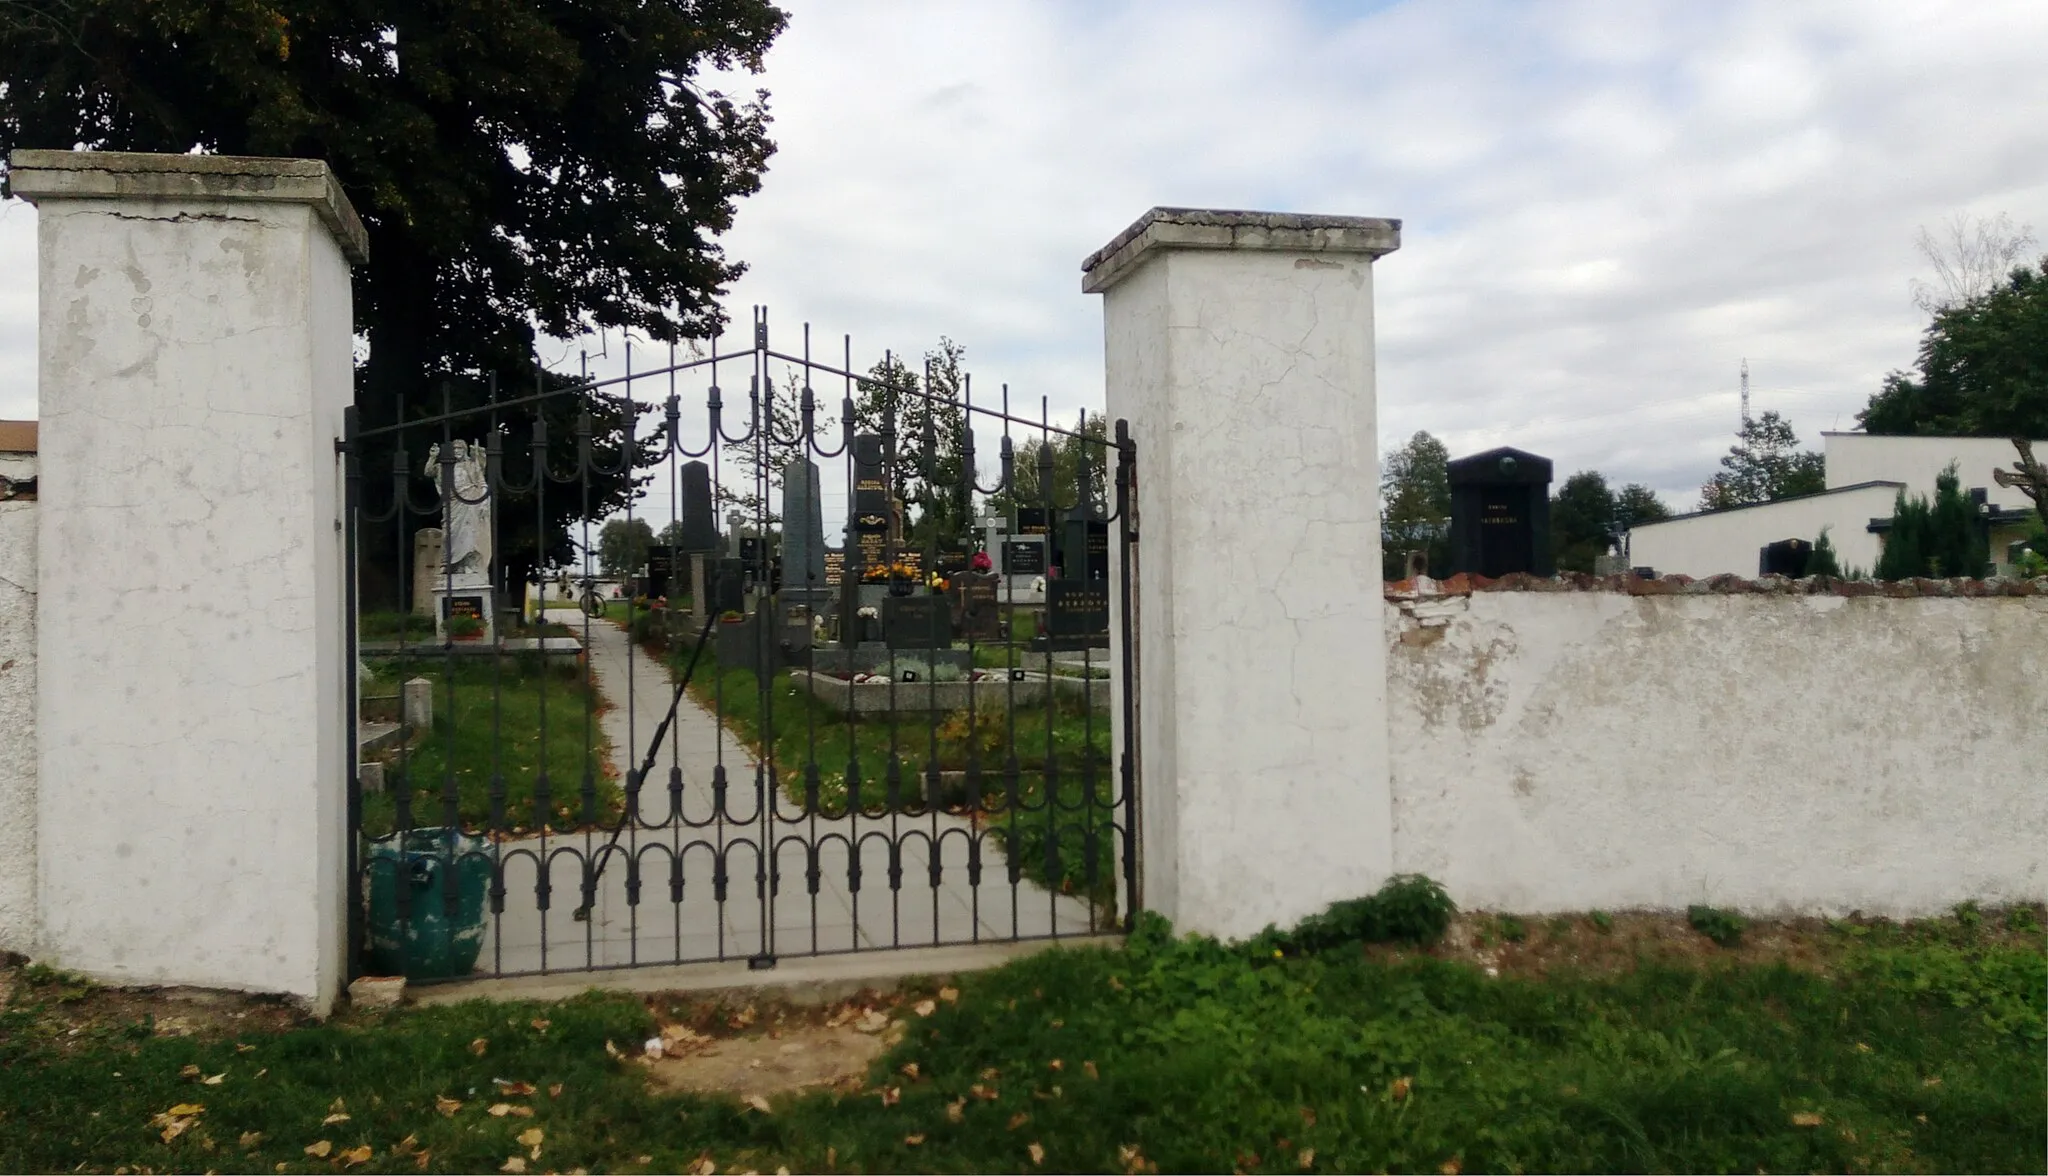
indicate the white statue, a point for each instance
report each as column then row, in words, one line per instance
column 465, row 511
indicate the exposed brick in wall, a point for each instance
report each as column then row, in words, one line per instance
column 1464, row 584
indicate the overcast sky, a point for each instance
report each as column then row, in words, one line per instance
column 1606, row 206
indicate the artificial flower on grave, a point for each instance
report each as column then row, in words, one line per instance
column 868, row 613
column 981, row 562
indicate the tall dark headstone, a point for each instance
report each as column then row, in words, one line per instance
column 1500, row 513
column 699, row 531
column 867, row 529
column 803, row 535
column 1786, row 557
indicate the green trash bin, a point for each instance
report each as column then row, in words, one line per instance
column 429, row 944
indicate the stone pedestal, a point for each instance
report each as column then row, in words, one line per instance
column 464, row 596
column 1239, row 341
column 193, row 369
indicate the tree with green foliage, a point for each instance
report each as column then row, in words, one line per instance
column 1939, row 537
column 1415, row 505
column 521, row 169
column 1823, row 560
column 1585, row 516
column 1071, row 453
column 1581, row 521
column 925, row 410
column 622, row 546
column 1764, row 465
column 1982, row 371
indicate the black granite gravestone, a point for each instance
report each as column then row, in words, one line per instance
column 1500, row 513
column 916, row 622
column 661, row 570
column 699, row 532
column 1023, row 557
column 1076, row 608
column 1786, row 557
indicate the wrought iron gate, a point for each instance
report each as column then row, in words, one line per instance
column 749, row 745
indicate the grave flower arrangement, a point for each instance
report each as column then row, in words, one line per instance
column 465, row 628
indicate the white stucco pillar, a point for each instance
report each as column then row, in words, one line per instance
column 1239, row 346
column 194, row 362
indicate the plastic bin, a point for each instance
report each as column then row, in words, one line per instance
column 428, row 944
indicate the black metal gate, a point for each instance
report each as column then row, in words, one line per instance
column 714, row 735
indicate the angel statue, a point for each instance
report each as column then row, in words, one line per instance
column 465, row 510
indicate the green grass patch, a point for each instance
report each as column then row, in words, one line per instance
column 816, row 751
column 1169, row 1055
column 488, row 729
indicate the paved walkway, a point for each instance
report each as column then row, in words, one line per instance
column 661, row 929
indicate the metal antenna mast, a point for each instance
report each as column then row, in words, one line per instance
column 1745, row 391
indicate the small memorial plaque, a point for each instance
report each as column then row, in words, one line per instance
column 1031, row 521
column 1023, row 557
column 916, row 622
column 1076, row 608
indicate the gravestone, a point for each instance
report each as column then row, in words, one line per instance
column 1500, row 513
column 835, row 566
column 728, row 586
column 426, row 569
column 975, row 614
column 699, row 532
column 1786, row 557
column 661, row 570
column 803, row 535
column 916, row 622
column 1032, row 520
column 1085, row 553
column 872, row 509
column 1024, row 556
column 1076, row 608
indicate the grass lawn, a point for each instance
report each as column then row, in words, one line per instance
column 1876, row 1048
column 493, row 731
column 388, row 626
column 1072, row 738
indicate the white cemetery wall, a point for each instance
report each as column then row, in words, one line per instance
column 18, row 711
column 194, row 363
column 1726, row 542
column 1565, row 751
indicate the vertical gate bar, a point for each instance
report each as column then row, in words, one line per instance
column 1127, row 540
column 1050, row 782
column 352, row 488
column 539, row 797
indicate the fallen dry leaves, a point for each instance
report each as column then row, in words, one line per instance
column 925, row 1008
column 1452, row 1167
column 1401, row 1087
column 320, row 1149
column 1018, row 1120
column 250, row 1138
column 1037, row 1153
column 1088, row 1068
column 360, row 1154
column 447, row 1106
column 703, row 1165
column 515, row 1089
column 1306, row 1158
column 949, row 995
column 479, row 1046
column 891, row 1095
column 336, row 1117
column 914, row 1140
column 956, row 1111
column 513, row 1164
column 759, row 1103
column 177, row 1120
column 1806, row 1119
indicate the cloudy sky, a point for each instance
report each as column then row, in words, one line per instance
column 1607, row 206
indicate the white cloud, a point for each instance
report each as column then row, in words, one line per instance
column 1607, row 204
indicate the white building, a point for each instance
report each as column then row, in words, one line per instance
column 1864, row 476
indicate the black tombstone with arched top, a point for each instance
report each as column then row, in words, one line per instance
column 1500, row 513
